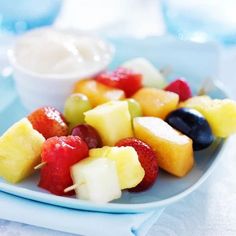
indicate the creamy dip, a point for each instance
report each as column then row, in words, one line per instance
column 52, row 52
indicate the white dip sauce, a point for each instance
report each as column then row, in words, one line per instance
column 51, row 52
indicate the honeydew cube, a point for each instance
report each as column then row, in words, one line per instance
column 151, row 75
column 96, row 180
column 20, row 149
column 173, row 149
column 112, row 120
column 129, row 169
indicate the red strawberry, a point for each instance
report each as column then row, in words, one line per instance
column 49, row 122
column 122, row 78
column 148, row 160
column 181, row 87
column 59, row 154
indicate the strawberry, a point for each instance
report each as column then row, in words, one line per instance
column 148, row 160
column 122, row 78
column 59, row 154
column 181, row 87
column 49, row 122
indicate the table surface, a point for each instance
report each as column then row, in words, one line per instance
column 211, row 209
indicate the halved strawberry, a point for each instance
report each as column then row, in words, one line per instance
column 148, row 160
column 181, row 87
column 122, row 78
column 59, row 154
column 49, row 122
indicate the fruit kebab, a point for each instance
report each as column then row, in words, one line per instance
column 116, row 132
column 108, row 170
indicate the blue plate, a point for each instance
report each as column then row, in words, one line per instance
column 187, row 59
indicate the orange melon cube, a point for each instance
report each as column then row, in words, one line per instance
column 98, row 93
column 156, row 102
column 173, row 149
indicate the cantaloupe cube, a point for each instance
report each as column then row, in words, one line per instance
column 156, row 102
column 98, row 93
column 173, row 149
column 220, row 114
column 112, row 120
column 20, row 149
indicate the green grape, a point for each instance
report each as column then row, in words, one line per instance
column 75, row 106
column 134, row 108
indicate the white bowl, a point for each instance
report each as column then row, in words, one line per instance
column 36, row 90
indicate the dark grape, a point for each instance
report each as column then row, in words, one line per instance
column 88, row 134
column 193, row 124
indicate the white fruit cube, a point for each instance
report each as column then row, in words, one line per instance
column 96, row 180
column 20, row 149
column 129, row 169
column 151, row 75
column 112, row 120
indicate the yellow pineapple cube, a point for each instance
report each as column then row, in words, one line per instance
column 20, row 149
column 173, row 149
column 112, row 120
column 98, row 93
column 129, row 169
column 220, row 114
column 156, row 102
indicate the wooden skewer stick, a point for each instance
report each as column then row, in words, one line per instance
column 39, row 166
column 72, row 187
column 166, row 71
column 208, row 85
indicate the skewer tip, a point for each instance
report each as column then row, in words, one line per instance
column 70, row 188
column 41, row 165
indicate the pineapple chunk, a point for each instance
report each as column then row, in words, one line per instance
column 96, row 180
column 151, row 75
column 220, row 114
column 98, row 93
column 20, row 149
column 174, row 150
column 156, row 102
column 112, row 120
column 129, row 169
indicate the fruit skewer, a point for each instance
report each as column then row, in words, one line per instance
column 95, row 150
